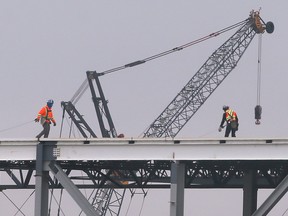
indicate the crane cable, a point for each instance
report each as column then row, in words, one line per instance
column 214, row 34
column 84, row 85
column 52, row 197
column 133, row 192
column 18, row 208
column 259, row 69
column 258, row 108
column 16, row 126
column 285, row 212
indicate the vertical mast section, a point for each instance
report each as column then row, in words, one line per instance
column 106, row 199
column 105, row 202
column 77, row 119
column 101, row 107
column 203, row 83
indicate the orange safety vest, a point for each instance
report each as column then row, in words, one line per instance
column 46, row 115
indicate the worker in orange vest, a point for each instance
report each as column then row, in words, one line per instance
column 45, row 116
column 231, row 119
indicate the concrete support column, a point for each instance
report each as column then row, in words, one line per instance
column 177, row 189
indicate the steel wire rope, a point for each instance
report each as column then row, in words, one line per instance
column 89, row 197
column 78, row 94
column 259, row 69
column 71, row 128
column 285, row 212
column 73, row 131
column 60, row 201
column 62, row 122
column 143, row 200
column 55, row 199
column 16, row 126
column 85, row 192
column 50, row 202
column 25, row 201
column 52, row 196
column 258, row 108
column 213, row 131
column 214, row 34
column 129, row 204
column 19, row 210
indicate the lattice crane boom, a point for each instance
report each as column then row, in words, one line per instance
column 207, row 79
column 184, row 105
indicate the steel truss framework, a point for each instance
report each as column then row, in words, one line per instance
column 149, row 174
column 200, row 164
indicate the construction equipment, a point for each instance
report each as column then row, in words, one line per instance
column 193, row 94
column 100, row 105
column 269, row 28
column 207, row 79
column 103, row 196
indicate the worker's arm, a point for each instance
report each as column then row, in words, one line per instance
column 54, row 122
column 52, row 118
column 40, row 113
column 223, row 120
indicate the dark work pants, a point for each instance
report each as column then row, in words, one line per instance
column 230, row 129
column 45, row 131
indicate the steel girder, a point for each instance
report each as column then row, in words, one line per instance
column 143, row 174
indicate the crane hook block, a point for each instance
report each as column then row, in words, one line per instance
column 258, row 112
column 269, row 27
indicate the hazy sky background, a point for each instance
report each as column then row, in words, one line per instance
column 47, row 47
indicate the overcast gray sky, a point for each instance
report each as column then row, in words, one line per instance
column 46, row 48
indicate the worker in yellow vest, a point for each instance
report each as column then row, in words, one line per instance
column 232, row 122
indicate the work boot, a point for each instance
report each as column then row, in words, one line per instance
column 38, row 137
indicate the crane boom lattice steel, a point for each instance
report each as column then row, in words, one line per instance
column 206, row 80
column 187, row 101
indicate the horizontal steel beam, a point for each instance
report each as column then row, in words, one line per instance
column 149, row 149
